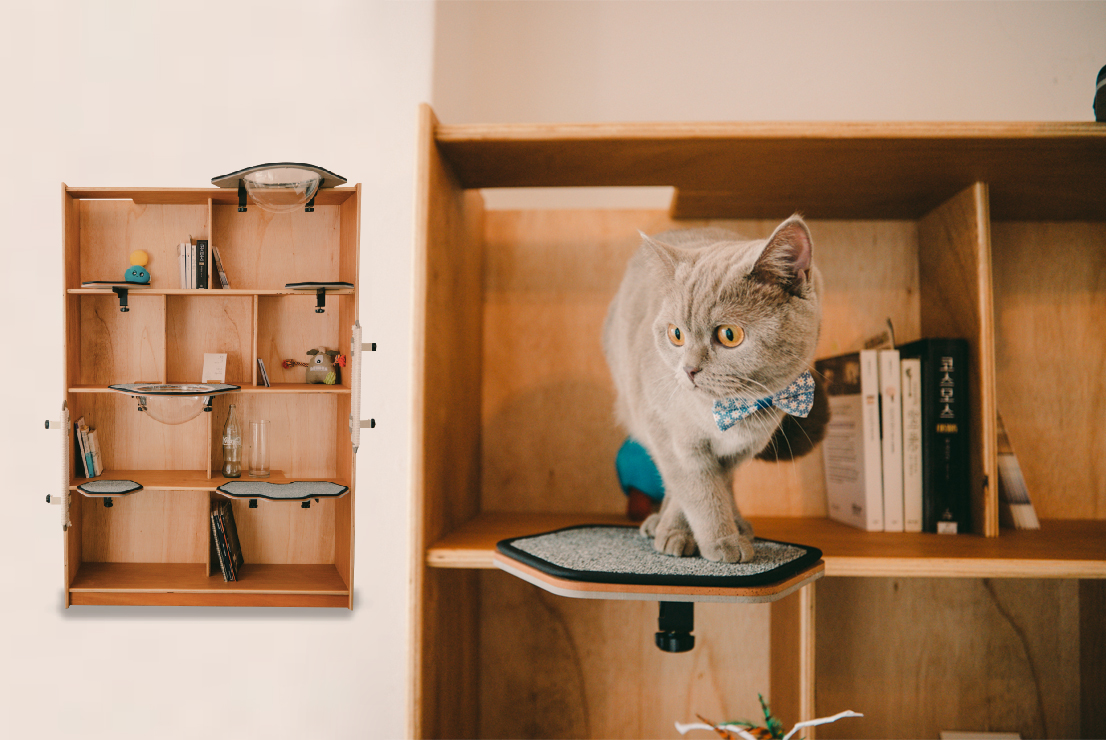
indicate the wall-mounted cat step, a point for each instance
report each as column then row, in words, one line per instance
column 617, row 562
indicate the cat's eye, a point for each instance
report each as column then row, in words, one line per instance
column 729, row 335
column 675, row 335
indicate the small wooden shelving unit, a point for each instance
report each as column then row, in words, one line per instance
column 154, row 546
column 992, row 232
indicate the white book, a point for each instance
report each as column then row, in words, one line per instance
column 190, row 271
column 890, row 401
column 182, row 258
column 911, row 393
column 851, row 450
column 97, row 458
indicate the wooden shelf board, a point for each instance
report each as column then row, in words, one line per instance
column 321, row 579
column 187, row 480
column 275, row 388
column 195, row 196
column 212, row 293
column 1061, row 549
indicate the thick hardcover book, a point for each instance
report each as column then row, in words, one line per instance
column 912, row 444
column 890, row 403
column 852, row 446
column 201, row 264
column 946, row 448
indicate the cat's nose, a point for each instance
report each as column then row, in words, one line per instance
column 691, row 372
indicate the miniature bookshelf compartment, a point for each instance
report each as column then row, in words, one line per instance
column 937, row 226
column 152, row 546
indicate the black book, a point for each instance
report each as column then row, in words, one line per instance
column 946, row 447
column 230, row 536
column 218, row 546
column 201, row 263
column 78, row 456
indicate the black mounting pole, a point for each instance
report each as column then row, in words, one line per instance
column 241, row 196
column 320, row 302
column 310, row 207
column 676, row 621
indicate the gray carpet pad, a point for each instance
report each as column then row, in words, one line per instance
column 282, row 491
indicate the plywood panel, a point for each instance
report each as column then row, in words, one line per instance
column 549, row 432
column 267, row 250
column 577, row 668
column 792, row 662
column 147, row 527
column 287, row 326
column 201, row 324
column 285, row 532
column 131, row 440
column 112, row 229
column 118, row 347
column 1050, row 297
column 957, row 301
column 303, row 441
column 948, row 654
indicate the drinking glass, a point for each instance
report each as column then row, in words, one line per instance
column 259, row 449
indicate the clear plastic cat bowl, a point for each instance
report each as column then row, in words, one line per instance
column 282, row 189
column 173, row 403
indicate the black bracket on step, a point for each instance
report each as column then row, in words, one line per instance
column 310, row 207
column 241, row 196
column 122, row 293
column 107, row 502
column 676, row 621
column 320, row 300
column 305, row 505
column 253, row 503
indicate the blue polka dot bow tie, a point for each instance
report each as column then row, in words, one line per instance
column 796, row 399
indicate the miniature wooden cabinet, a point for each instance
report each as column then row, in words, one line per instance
column 993, row 232
column 153, row 547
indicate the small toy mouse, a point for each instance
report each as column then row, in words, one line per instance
column 321, row 367
column 137, row 272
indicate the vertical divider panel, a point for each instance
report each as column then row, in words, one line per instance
column 957, row 299
column 164, row 363
column 71, row 318
column 792, row 664
column 344, row 506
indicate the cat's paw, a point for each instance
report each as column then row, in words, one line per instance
column 733, row 548
column 677, row 542
column 649, row 527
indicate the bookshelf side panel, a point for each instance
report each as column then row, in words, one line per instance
column 957, row 301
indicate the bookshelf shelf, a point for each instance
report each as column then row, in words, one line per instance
column 153, row 547
column 1061, row 549
column 948, row 229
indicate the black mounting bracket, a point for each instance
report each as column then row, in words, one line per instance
column 676, row 621
column 310, row 207
column 241, row 196
column 253, row 503
column 305, row 505
column 122, row 293
column 320, row 300
column 107, row 502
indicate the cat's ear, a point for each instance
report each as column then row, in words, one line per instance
column 662, row 257
column 787, row 255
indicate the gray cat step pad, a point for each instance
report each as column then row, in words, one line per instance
column 617, row 562
column 109, row 487
column 300, row 490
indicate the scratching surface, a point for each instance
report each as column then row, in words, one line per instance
column 295, row 489
column 626, row 550
column 109, row 486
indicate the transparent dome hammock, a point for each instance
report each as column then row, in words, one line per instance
column 173, row 403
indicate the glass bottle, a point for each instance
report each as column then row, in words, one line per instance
column 232, row 447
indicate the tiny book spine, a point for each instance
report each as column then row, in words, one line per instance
column 201, row 264
column 851, row 450
column 912, row 444
column 890, row 401
column 182, row 258
column 261, row 372
column 217, row 260
column 946, row 447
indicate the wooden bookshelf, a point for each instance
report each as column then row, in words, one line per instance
column 991, row 232
column 153, row 547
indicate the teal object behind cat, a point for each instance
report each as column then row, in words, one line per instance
column 137, row 274
column 636, row 469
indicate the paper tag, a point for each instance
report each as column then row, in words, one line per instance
column 946, row 528
column 215, row 368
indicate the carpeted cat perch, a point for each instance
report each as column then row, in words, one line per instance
column 617, row 562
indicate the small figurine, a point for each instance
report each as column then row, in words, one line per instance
column 321, row 367
column 137, row 272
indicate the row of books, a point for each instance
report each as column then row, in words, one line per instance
column 86, row 443
column 200, row 264
column 227, row 548
column 897, row 453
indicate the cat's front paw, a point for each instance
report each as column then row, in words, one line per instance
column 677, row 542
column 733, row 548
column 649, row 526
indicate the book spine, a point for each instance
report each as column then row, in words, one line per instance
column 218, row 261
column 911, row 392
column 182, row 259
column 220, row 545
column 79, row 470
column 224, row 516
column 97, row 457
column 946, row 466
column 201, row 264
column 890, row 400
column 873, row 452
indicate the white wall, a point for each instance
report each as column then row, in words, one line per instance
column 145, row 94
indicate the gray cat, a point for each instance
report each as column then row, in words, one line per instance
column 705, row 322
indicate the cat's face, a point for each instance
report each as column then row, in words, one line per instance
column 738, row 318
